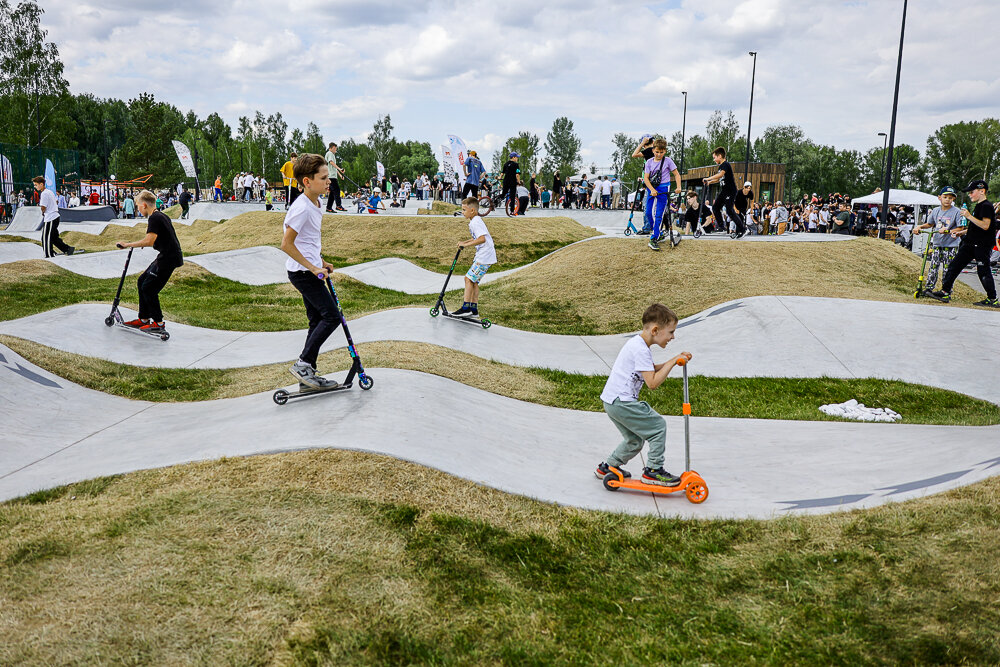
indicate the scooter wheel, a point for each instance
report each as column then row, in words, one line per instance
column 628, row 231
column 733, row 236
column 697, row 493
column 109, row 321
column 280, row 397
column 487, row 324
column 165, row 336
column 698, row 234
column 611, row 477
column 366, row 382
column 435, row 312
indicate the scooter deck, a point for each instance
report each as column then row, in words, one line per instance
column 692, row 484
column 113, row 321
column 282, row 396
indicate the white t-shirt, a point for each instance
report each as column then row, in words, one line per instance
column 48, row 200
column 626, row 379
column 522, row 191
column 306, row 219
column 606, row 187
column 248, row 181
column 485, row 253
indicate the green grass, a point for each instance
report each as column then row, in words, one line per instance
column 288, row 560
column 200, row 299
column 783, row 398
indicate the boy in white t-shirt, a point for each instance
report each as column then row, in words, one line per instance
column 307, row 270
column 486, row 256
column 636, row 420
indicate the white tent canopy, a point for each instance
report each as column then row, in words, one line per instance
column 899, row 198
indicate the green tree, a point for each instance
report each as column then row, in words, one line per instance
column 526, row 145
column 418, row 158
column 962, row 152
column 562, row 150
column 380, row 140
column 34, row 96
column 906, row 167
column 627, row 168
column 147, row 148
column 314, row 140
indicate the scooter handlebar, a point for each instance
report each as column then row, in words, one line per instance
column 682, row 361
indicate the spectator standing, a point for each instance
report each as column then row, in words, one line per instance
column 557, row 185
column 289, row 181
column 511, row 178
column 616, row 193
column 606, row 194
column 335, row 172
column 977, row 243
column 474, row 171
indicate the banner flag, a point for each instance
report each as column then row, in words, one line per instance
column 458, row 155
column 50, row 176
column 184, row 155
column 381, row 169
column 6, row 178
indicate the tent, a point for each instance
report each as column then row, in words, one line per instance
column 899, row 198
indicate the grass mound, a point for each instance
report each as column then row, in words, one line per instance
column 439, row 208
column 187, row 235
column 173, row 212
column 417, row 567
column 605, row 285
column 750, row 398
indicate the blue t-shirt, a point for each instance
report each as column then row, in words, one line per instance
column 475, row 170
column 374, row 201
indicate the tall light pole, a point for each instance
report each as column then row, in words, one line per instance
column 684, row 128
column 892, row 132
column 885, row 142
column 753, row 79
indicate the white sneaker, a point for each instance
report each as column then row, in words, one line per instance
column 305, row 374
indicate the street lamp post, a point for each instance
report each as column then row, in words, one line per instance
column 684, row 128
column 883, row 223
column 885, row 142
column 753, row 79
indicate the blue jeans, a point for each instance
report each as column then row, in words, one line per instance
column 659, row 202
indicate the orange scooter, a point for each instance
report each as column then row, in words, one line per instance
column 692, row 484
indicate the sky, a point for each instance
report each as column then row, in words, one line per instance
column 486, row 70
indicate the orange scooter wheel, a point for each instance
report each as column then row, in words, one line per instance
column 611, row 477
column 696, row 493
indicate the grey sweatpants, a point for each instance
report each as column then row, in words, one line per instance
column 638, row 423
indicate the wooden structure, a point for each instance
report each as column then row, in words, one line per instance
column 768, row 180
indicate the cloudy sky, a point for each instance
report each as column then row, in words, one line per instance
column 486, row 70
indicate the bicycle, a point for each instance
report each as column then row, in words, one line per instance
column 489, row 204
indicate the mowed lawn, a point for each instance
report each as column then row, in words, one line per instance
column 341, row 558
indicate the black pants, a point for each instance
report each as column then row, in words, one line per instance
column 523, row 205
column 184, row 211
column 334, row 197
column 50, row 238
column 150, row 283
column 509, row 190
column 967, row 252
column 293, row 193
column 321, row 310
column 722, row 201
column 470, row 190
column 247, row 193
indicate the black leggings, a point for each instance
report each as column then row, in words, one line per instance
column 967, row 252
column 721, row 202
column 470, row 190
column 324, row 318
column 150, row 283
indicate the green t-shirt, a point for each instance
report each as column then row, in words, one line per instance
column 843, row 219
column 331, row 162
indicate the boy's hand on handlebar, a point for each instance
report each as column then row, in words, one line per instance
column 120, row 245
column 321, row 273
column 685, row 355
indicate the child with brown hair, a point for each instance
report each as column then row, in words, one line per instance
column 635, row 419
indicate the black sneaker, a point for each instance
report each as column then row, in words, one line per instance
column 988, row 303
column 659, row 476
column 940, row 295
column 603, row 469
column 464, row 310
column 474, row 311
column 71, row 251
column 644, row 232
column 653, row 244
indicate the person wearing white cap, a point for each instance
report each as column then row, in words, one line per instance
column 744, row 197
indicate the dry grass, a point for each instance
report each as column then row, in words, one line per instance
column 332, row 557
column 187, row 235
column 439, row 208
column 604, row 286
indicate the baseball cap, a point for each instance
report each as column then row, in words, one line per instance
column 473, row 153
column 976, row 185
column 948, row 190
column 515, row 155
column 778, row 203
column 645, row 136
column 748, row 184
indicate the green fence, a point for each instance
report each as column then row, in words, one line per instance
column 26, row 163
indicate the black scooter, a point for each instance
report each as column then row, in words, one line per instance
column 365, row 381
column 116, row 319
column 441, row 309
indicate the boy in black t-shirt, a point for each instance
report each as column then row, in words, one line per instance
column 727, row 191
column 160, row 236
column 977, row 243
column 511, row 179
